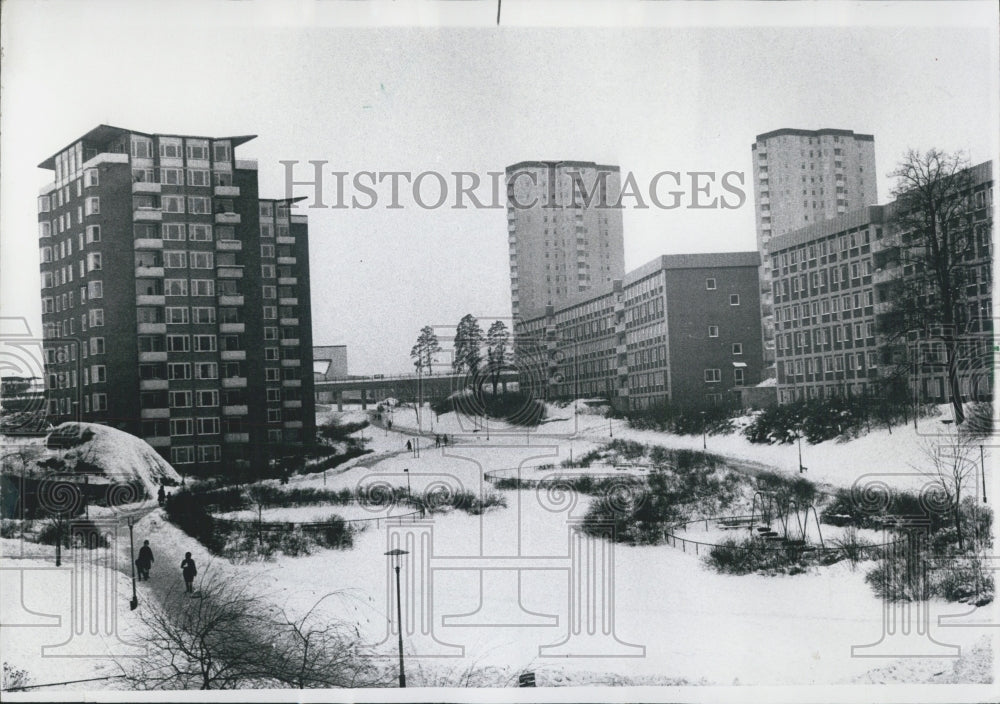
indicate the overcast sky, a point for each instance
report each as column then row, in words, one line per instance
column 476, row 98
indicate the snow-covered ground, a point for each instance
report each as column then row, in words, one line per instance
column 696, row 626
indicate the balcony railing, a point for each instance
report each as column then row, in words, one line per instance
column 234, row 382
column 158, row 441
column 153, row 384
column 155, row 271
column 238, row 409
column 233, row 355
column 229, row 245
column 152, row 356
column 145, row 187
column 147, row 243
column 227, row 191
column 232, row 327
column 152, row 329
column 147, row 215
column 154, row 413
column 227, row 218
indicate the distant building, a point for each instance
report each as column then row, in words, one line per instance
column 834, row 282
column 562, row 241
column 802, row 177
column 329, row 362
column 682, row 328
column 175, row 300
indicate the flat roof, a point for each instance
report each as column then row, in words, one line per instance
column 665, row 262
column 873, row 214
column 557, row 164
column 795, row 132
column 105, row 133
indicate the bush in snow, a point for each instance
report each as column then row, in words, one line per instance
column 755, row 555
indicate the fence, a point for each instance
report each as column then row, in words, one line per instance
column 289, row 526
column 671, row 538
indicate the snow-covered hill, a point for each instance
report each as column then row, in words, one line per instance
column 120, row 457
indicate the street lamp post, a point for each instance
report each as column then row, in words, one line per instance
column 134, row 604
column 982, row 469
column 798, row 438
column 704, row 437
column 407, row 473
column 396, row 554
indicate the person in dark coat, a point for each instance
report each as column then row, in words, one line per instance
column 144, row 561
column 161, row 495
column 189, row 571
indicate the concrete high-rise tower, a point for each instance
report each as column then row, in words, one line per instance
column 563, row 233
column 802, row 177
column 175, row 300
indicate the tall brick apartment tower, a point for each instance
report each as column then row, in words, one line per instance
column 802, row 177
column 561, row 240
column 175, row 301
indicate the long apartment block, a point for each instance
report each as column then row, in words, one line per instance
column 175, row 300
column 834, row 284
column 682, row 329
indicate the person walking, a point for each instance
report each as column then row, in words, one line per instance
column 189, row 571
column 161, row 495
column 409, row 446
column 144, row 561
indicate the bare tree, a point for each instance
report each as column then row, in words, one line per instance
column 933, row 240
column 231, row 638
column 310, row 651
column 949, row 462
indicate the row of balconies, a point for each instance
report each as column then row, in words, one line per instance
column 156, row 215
column 147, row 187
column 164, row 440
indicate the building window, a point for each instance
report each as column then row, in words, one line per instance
column 181, row 426
column 270, row 333
column 271, row 354
column 202, row 287
column 97, row 345
column 92, row 206
column 709, row 284
column 738, row 377
column 201, row 233
column 182, row 455
column 734, row 299
column 100, row 402
column 273, row 415
column 178, row 343
column 199, row 205
column 173, row 204
column 201, row 260
column 203, row 315
column 713, row 376
column 90, row 178
column 272, row 374
column 206, row 370
column 204, row 343
column 197, row 149
column 737, row 348
column 713, row 330
column 179, row 370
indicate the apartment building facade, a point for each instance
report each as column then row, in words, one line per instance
column 834, row 283
column 564, row 237
column 683, row 329
column 802, row 177
column 175, row 301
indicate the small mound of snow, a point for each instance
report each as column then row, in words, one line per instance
column 121, row 457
